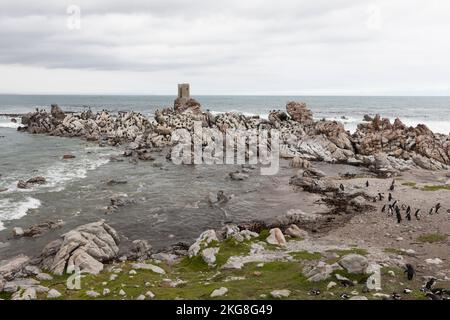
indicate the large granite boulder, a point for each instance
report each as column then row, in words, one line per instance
column 299, row 112
column 85, row 247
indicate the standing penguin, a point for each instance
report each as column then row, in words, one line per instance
column 383, row 209
column 431, row 211
column 408, row 216
column 390, row 197
column 380, row 195
column 367, row 183
column 399, row 215
column 438, row 206
column 417, row 214
column 341, row 186
column 392, row 187
column 410, row 272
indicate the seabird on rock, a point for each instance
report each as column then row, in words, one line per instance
column 390, row 197
column 410, row 272
column 341, row 187
column 380, row 195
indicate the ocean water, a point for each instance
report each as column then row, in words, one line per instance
column 171, row 201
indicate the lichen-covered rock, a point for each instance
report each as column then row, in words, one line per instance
column 10, row 268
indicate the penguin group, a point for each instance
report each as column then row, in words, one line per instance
column 404, row 211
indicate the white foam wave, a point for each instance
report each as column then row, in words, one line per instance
column 12, row 125
column 12, row 210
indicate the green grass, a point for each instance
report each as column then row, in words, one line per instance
column 436, row 188
column 432, row 238
column 410, row 184
column 249, row 283
column 395, row 251
column 305, row 255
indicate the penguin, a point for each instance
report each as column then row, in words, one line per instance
column 374, row 200
column 395, row 203
column 410, row 272
column 392, row 187
column 342, row 187
column 396, row 296
column 367, row 183
column 408, row 216
column 430, row 283
column 381, row 197
column 383, row 209
column 403, row 206
column 408, row 210
column 390, row 197
column 417, row 214
column 431, row 211
column 399, row 217
column 391, row 211
column 436, row 209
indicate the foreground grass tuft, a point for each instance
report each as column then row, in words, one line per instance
column 432, row 238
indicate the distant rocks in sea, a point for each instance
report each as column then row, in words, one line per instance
column 30, row 182
column 385, row 147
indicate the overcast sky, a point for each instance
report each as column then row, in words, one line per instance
column 305, row 47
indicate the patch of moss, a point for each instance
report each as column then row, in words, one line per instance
column 341, row 253
column 436, row 188
column 432, row 238
column 395, row 251
column 305, row 255
column 5, row 296
column 410, row 184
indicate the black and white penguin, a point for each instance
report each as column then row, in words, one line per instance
column 341, row 186
column 383, row 209
column 367, row 183
column 430, row 283
column 408, row 216
column 431, row 211
column 380, row 196
column 417, row 214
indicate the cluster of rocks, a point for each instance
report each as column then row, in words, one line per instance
column 383, row 146
column 37, row 230
column 21, row 184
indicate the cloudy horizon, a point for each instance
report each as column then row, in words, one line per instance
column 286, row 47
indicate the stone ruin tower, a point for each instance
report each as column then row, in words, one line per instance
column 184, row 102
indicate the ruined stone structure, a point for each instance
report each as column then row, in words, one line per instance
column 184, row 102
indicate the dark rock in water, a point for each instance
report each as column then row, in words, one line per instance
column 114, row 182
column 37, row 180
column 367, row 118
column 13, row 120
column 37, row 230
column 68, row 156
column 22, row 184
column 238, row 176
column 115, row 159
column 121, row 201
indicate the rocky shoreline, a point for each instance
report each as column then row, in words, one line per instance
column 326, row 264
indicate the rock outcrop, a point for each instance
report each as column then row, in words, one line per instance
column 85, row 248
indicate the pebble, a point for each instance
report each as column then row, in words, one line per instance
column 92, row 294
column 150, row 294
column 219, row 292
column 106, row 291
column 141, row 297
column 122, row 293
column 278, row 294
column 53, row 294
